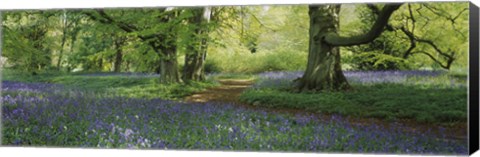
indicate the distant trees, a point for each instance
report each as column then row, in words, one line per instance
column 70, row 25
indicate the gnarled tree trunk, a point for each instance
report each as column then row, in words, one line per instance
column 324, row 71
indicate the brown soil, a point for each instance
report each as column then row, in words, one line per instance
column 230, row 90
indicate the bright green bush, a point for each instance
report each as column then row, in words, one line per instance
column 245, row 62
column 376, row 61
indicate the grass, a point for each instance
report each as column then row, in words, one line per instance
column 440, row 99
column 120, row 85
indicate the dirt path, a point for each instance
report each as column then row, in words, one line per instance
column 230, row 90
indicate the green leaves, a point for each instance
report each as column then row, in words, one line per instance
column 444, row 24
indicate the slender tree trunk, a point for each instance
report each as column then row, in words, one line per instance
column 118, row 61
column 197, row 50
column 64, row 38
column 324, row 71
column 100, row 64
column 127, row 66
column 118, row 55
column 60, row 55
column 72, row 45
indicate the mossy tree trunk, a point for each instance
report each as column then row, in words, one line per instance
column 323, row 68
column 324, row 71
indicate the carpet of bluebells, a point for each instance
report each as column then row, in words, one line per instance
column 40, row 114
column 417, row 77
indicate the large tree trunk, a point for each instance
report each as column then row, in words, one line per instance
column 197, row 49
column 169, row 66
column 324, row 70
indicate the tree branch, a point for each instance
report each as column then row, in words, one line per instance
column 413, row 44
column 377, row 29
column 429, row 42
column 444, row 14
column 447, row 66
column 106, row 19
column 376, row 11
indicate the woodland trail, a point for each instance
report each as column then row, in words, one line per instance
column 230, row 90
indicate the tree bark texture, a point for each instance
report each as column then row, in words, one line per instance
column 324, row 70
column 169, row 66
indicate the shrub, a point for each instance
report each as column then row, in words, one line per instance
column 376, row 61
column 211, row 66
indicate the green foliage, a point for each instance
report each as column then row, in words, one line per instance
column 280, row 38
column 211, row 66
column 246, row 62
column 376, row 61
column 444, row 24
column 386, row 101
column 26, row 41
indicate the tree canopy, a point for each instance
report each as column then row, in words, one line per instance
column 182, row 43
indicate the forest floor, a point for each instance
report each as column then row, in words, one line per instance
column 227, row 92
column 230, row 90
